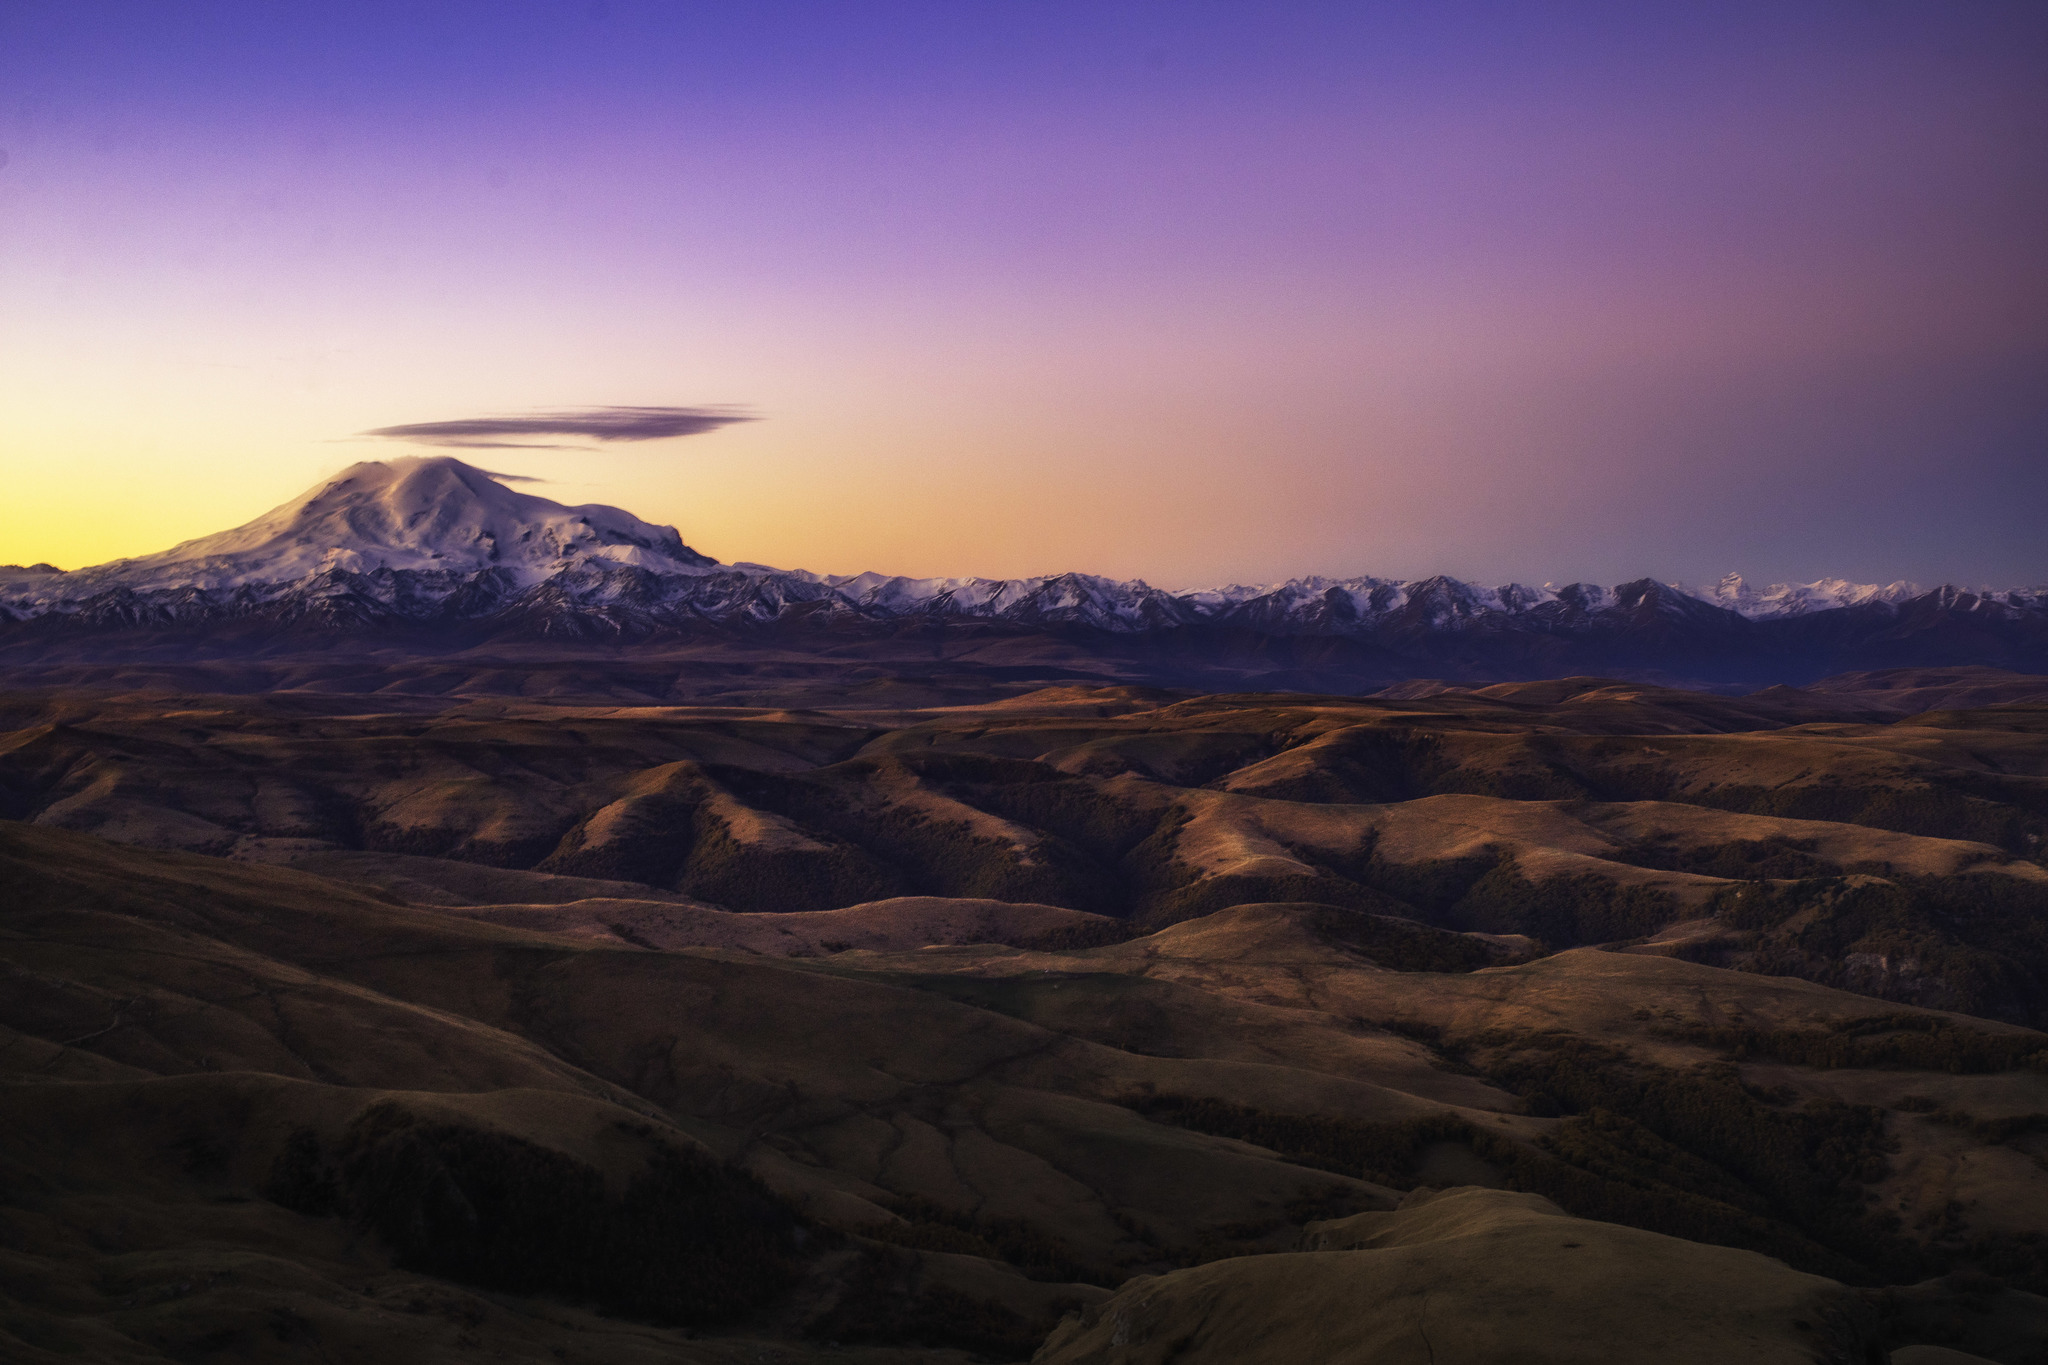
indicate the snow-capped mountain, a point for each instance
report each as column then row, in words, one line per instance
column 422, row 514
column 434, row 540
column 1796, row 599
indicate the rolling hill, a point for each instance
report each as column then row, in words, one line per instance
column 371, row 1027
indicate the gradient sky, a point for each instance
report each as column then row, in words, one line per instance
column 1192, row 292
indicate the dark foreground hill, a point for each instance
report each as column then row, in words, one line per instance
column 258, row 1115
column 394, row 1028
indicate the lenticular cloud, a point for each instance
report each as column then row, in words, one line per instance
column 593, row 424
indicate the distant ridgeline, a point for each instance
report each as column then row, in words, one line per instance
column 431, row 553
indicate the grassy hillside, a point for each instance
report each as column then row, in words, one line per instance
column 351, row 1034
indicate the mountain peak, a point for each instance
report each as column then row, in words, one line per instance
column 419, row 512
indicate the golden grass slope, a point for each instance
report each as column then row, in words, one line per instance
column 998, row 960
column 174, row 1019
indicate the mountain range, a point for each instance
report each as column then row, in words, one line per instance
column 436, row 544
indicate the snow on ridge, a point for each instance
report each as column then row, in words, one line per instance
column 1798, row 599
column 1731, row 593
column 426, row 530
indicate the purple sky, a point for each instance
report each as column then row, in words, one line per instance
column 1190, row 292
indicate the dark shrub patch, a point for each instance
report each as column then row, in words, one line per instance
column 1974, row 943
column 692, row 1241
column 1433, row 886
column 884, row 1299
column 1762, row 905
column 726, row 872
column 1074, row 938
column 1739, row 860
column 1562, row 911
column 922, row 855
column 651, row 849
column 1193, row 899
column 1166, row 891
column 2003, row 1130
column 1892, row 1042
column 1487, row 892
column 1367, row 764
column 1380, row 1152
column 299, row 1179
column 1402, row 945
column 934, row 1227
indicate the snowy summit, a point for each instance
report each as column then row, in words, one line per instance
column 419, row 513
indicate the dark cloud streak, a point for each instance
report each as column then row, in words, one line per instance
column 595, row 424
column 494, row 445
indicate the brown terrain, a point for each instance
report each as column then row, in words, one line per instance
column 1564, row 1021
